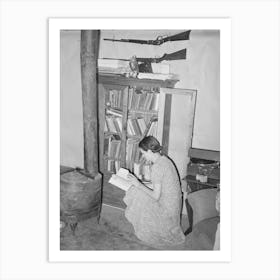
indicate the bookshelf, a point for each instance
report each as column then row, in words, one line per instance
column 130, row 109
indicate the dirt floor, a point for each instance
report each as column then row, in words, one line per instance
column 113, row 232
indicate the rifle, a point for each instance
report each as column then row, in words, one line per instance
column 158, row 41
column 143, row 64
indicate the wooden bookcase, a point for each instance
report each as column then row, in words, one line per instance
column 130, row 109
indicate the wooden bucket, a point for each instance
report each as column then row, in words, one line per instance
column 80, row 196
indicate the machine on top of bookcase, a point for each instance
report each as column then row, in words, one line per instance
column 129, row 110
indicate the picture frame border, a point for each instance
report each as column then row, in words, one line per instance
column 58, row 24
column 248, row 20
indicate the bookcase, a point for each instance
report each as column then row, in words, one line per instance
column 130, row 109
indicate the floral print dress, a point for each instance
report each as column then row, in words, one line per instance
column 157, row 222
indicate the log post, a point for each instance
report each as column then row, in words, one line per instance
column 89, row 55
column 81, row 190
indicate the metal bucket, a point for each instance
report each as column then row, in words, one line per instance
column 80, row 196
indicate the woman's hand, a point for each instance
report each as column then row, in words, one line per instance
column 133, row 180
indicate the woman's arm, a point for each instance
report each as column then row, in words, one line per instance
column 154, row 193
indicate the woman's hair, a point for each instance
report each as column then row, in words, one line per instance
column 150, row 143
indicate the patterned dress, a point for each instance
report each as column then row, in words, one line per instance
column 157, row 223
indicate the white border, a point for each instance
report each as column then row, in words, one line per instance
column 55, row 25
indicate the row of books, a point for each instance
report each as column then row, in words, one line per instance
column 144, row 100
column 132, row 114
column 113, row 124
column 132, row 153
column 113, row 165
column 135, row 126
column 112, row 149
column 115, row 98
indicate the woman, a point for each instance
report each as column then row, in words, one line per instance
column 155, row 213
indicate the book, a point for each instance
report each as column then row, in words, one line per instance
column 131, row 149
column 152, row 129
column 115, row 99
column 120, row 179
column 154, row 102
column 160, row 68
column 156, row 76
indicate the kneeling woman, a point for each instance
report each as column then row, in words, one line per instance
column 155, row 213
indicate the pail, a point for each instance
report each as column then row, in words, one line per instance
column 80, row 196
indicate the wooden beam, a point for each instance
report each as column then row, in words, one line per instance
column 166, row 123
column 89, row 55
column 124, row 126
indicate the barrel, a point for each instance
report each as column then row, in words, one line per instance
column 80, row 196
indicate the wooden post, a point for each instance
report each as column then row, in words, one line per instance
column 124, row 127
column 89, row 55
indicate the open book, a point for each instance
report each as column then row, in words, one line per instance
column 120, row 179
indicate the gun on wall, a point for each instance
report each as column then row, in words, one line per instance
column 144, row 64
column 158, row 41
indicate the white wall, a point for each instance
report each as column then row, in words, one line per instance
column 200, row 71
column 71, row 118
